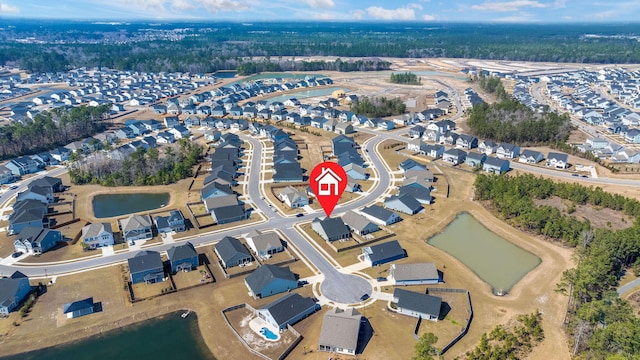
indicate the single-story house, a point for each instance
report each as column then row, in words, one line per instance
column 97, row 235
column 331, row 229
column 383, row 253
column 359, row 224
column 380, row 215
column 147, row 267
column 78, row 308
column 13, row 290
column 404, row 203
column 293, row 198
column 231, row 252
column 269, row 280
column 417, row 304
column 340, row 331
column 414, row 274
column 183, row 257
column 287, row 310
column 264, row 244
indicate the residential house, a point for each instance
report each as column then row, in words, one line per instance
column 220, row 201
column 269, row 280
column 180, row 132
column 530, row 157
column 411, row 164
column 359, row 224
column 78, row 308
column 496, row 166
column 22, row 166
column 344, row 128
column 97, row 235
column 183, row 257
column 36, row 193
column 475, row 159
column 383, row 253
column 466, row 142
column 404, row 203
column 433, row 151
column 454, row 156
column 13, row 290
column 287, row 310
column 416, row 132
column 414, row 144
column 291, row 172
column 146, row 267
column 293, row 198
column 6, row 176
column 414, row 274
column 228, row 214
column 340, row 331
column 231, row 252
column 488, row 147
column 136, row 227
column 60, row 154
column 508, row 151
column 558, row 160
column 215, row 189
column 27, row 213
column 165, row 137
column 331, row 229
column 355, row 171
column 124, row 133
column 632, row 136
column 264, row 244
column 380, row 215
column 417, row 305
column 420, row 192
column 36, row 240
column 171, row 121
column 172, row 223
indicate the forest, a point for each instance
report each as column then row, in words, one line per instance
column 143, row 167
column 599, row 323
column 207, row 47
column 510, row 121
column 271, row 65
column 375, row 107
column 406, row 78
column 51, row 129
column 491, row 85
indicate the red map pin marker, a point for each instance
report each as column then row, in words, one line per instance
column 328, row 181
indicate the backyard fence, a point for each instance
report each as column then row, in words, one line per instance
column 465, row 329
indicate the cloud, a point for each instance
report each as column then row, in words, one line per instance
column 414, row 6
column 522, row 17
column 215, row 6
column 427, row 17
column 150, row 4
column 403, row 13
column 560, row 3
column 6, row 8
column 568, row 17
column 320, row 3
column 358, row 14
column 508, row 6
column 182, row 5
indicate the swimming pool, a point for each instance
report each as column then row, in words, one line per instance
column 268, row 334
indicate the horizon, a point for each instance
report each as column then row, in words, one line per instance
column 336, row 11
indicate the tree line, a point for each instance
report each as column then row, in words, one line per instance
column 490, row 85
column 51, row 129
column 375, row 107
column 406, row 78
column 271, row 65
column 600, row 325
column 510, row 121
column 142, row 167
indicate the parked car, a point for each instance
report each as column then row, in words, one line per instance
column 364, row 297
column 382, row 278
column 299, row 215
column 16, row 254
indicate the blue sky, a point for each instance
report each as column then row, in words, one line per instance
column 514, row 11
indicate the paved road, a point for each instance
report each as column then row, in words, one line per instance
column 337, row 286
column 627, row 287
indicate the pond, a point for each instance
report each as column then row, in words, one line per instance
column 325, row 91
column 281, row 75
column 169, row 337
column 495, row 260
column 109, row 205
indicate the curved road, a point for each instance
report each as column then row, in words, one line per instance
column 336, row 286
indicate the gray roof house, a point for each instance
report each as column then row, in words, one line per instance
column 228, row 214
column 136, row 227
column 269, row 280
column 147, row 267
column 293, row 197
column 97, row 235
column 530, row 157
column 404, row 203
column 475, row 159
column 331, row 229
column 340, row 331
column 454, row 156
column 183, row 257
column 383, row 253
column 417, row 304
column 358, row 223
column 231, row 252
column 420, row 193
column 509, row 151
column 496, row 166
column 173, row 222
column 558, row 160
column 287, row 310
column 264, row 244
column 78, row 308
column 380, row 215
column 414, row 274
column 27, row 213
column 13, row 290
column 36, row 240
column 52, row 183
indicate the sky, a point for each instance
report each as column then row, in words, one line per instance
column 514, row 11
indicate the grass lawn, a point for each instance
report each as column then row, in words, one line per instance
column 387, row 149
column 194, row 277
column 143, row 291
column 344, row 258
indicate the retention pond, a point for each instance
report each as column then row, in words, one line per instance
column 495, row 260
column 109, row 205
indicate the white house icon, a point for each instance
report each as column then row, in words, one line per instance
column 326, row 181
